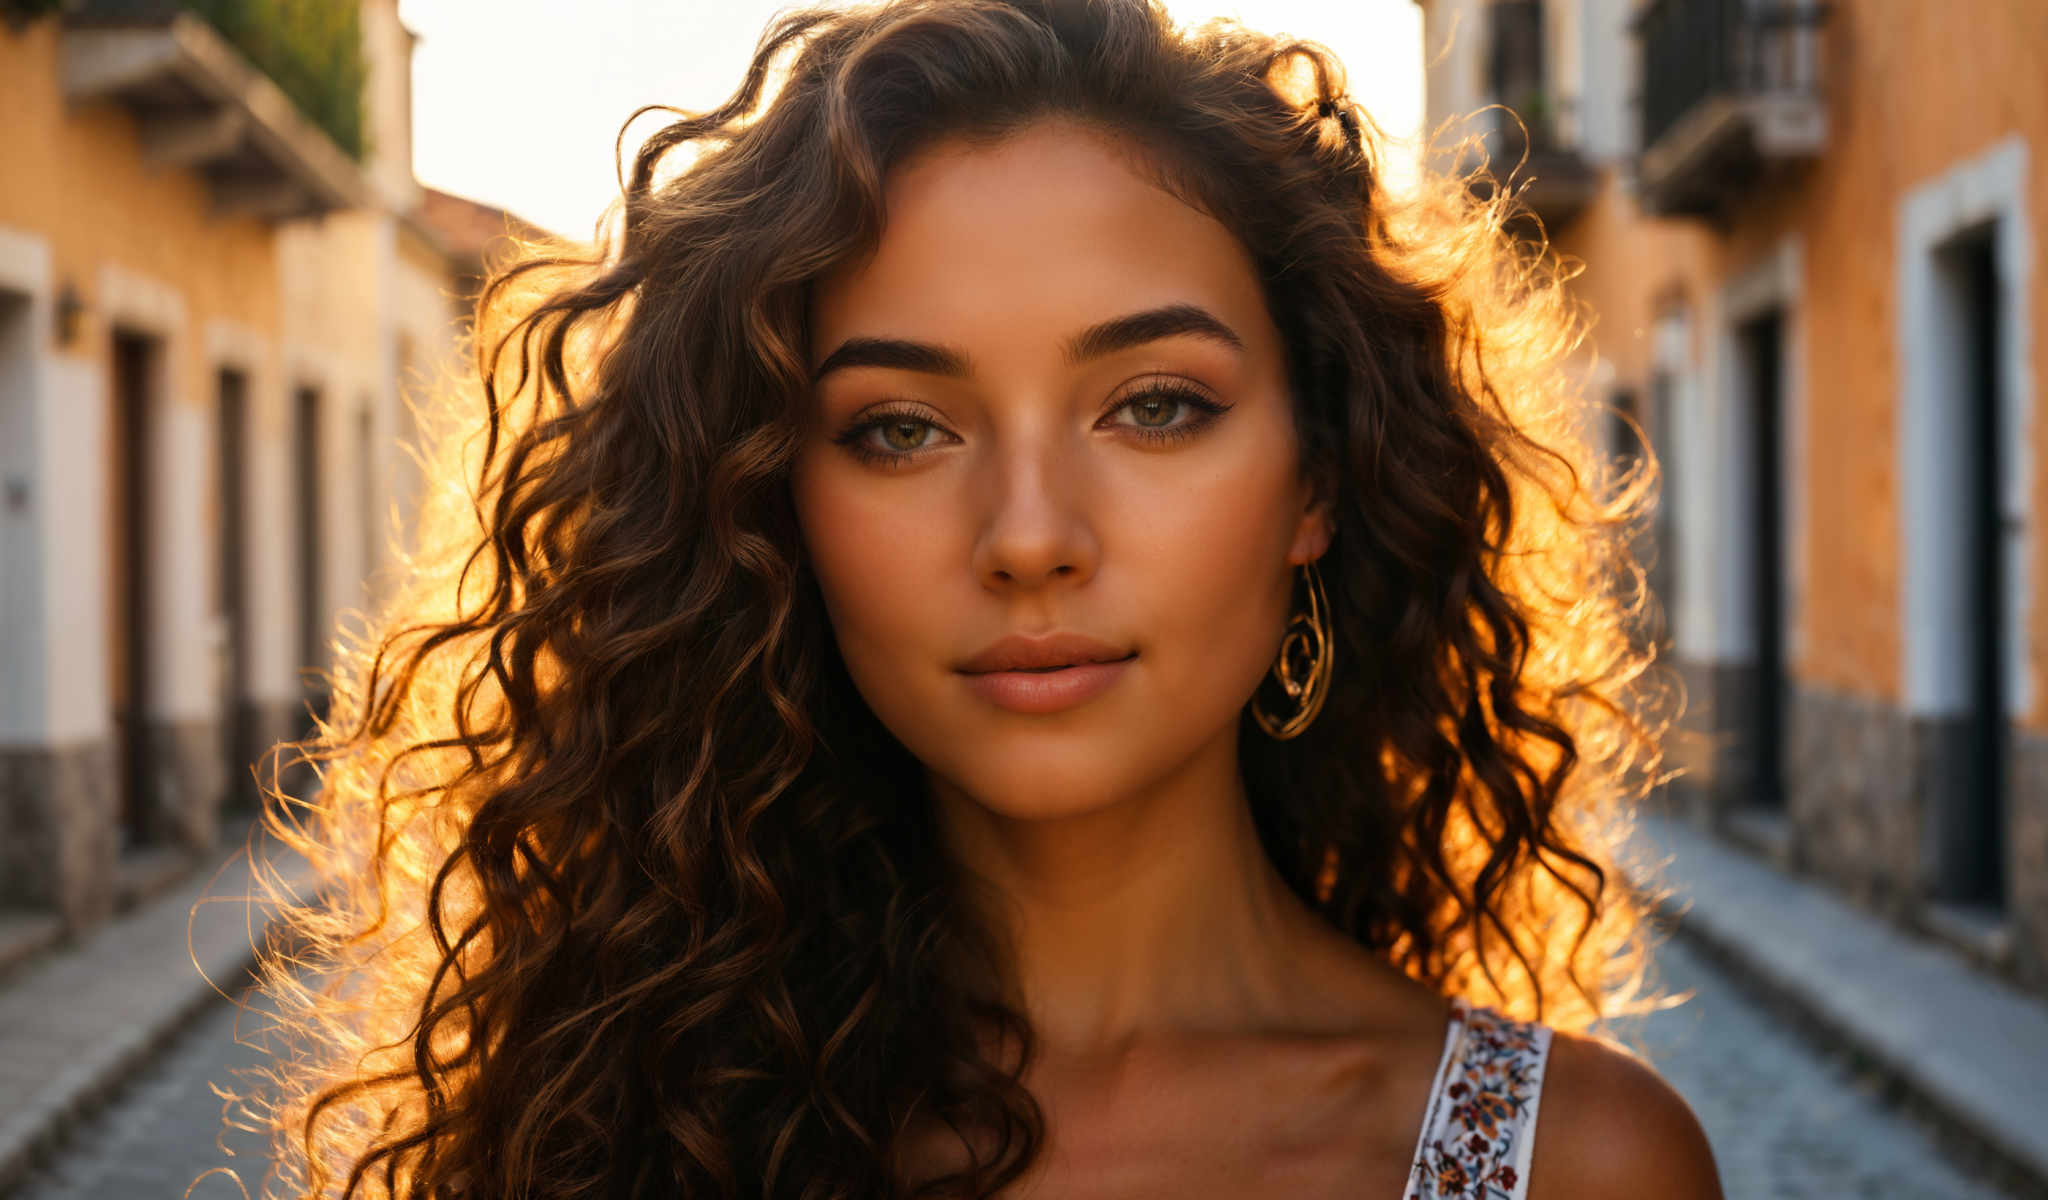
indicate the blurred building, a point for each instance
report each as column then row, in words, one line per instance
column 218, row 279
column 1810, row 236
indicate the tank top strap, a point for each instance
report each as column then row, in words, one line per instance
column 1480, row 1123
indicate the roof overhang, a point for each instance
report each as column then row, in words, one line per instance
column 200, row 105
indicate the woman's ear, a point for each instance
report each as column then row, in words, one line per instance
column 1312, row 534
column 1317, row 525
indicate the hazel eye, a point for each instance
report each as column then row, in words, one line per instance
column 1155, row 408
column 890, row 438
column 915, row 429
column 1155, row 404
column 894, row 438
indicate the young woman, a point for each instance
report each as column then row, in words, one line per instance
column 1027, row 629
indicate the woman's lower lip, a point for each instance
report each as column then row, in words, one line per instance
column 1047, row 691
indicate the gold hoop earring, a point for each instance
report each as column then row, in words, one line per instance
column 1307, row 638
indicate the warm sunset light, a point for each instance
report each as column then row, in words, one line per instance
column 517, row 103
column 1092, row 597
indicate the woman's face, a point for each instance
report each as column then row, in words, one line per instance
column 1051, row 403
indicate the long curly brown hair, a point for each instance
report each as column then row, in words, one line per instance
column 623, row 891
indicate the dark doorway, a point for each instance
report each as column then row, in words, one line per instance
column 1970, row 818
column 366, row 489
column 131, row 584
column 1663, row 569
column 1624, row 443
column 307, row 492
column 1627, row 450
column 232, row 439
column 21, row 481
column 1760, row 352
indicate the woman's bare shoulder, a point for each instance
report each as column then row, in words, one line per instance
column 1611, row 1126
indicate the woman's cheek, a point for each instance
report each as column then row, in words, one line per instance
column 876, row 563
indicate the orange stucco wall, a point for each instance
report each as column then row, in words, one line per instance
column 77, row 179
column 1912, row 92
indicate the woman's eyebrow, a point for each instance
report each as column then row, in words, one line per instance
column 1104, row 337
column 1135, row 329
column 899, row 353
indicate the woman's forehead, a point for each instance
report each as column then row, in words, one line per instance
column 1048, row 225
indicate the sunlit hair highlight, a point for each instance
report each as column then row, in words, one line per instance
column 621, row 891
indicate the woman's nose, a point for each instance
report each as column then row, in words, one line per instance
column 1036, row 522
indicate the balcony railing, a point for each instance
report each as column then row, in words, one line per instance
column 1548, row 175
column 1729, row 87
column 1532, row 146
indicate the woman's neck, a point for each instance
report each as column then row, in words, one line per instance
column 1148, row 917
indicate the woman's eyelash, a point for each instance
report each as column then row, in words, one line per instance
column 855, row 436
column 1205, row 409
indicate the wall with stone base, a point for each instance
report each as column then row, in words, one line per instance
column 2027, row 866
column 60, row 820
column 59, row 830
column 1859, row 774
column 1854, row 797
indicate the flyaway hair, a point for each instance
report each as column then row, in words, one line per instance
column 621, row 889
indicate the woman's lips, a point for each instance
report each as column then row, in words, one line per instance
column 1047, row 691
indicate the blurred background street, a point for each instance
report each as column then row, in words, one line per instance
column 238, row 242
column 1784, row 1119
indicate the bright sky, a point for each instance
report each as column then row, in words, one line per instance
column 516, row 102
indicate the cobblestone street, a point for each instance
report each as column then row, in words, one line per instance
column 165, row 1129
column 1784, row 1122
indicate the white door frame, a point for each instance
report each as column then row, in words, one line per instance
column 1935, row 669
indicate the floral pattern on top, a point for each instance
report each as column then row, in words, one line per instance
column 1483, row 1111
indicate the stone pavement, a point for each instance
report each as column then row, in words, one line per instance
column 1785, row 1121
column 1809, row 1027
column 79, row 1021
column 1965, row 1051
column 167, row 1133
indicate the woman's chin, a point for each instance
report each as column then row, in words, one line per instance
column 1038, row 787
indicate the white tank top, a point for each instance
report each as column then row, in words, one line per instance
column 1480, row 1124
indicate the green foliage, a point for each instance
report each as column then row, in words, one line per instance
column 20, row 12
column 312, row 50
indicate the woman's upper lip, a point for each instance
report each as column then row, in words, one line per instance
column 1017, row 652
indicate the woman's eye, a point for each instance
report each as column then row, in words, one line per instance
column 895, row 438
column 889, row 438
column 1153, row 411
column 904, row 433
